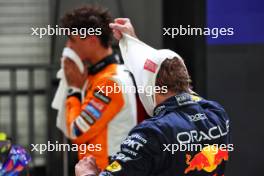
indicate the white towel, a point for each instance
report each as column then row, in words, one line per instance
column 58, row 102
column 144, row 62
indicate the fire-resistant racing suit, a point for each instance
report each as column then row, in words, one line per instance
column 104, row 118
column 187, row 136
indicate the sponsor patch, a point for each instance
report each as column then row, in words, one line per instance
column 196, row 98
column 184, row 99
column 102, row 97
column 213, row 133
column 81, row 124
column 133, row 144
column 130, row 152
column 207, row 160
column 197, row 117
column 122, row 157
column 93, row 111
column 98, row 105
column 87, row 117
column 114, row 167
column 159, row 109
column 150, row 66
column 76, row 131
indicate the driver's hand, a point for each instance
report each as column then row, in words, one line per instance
column 122, row 25
column 87, row 167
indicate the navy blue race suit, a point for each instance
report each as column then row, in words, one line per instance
column 152, row 148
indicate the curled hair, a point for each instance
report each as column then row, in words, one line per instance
column 90, row 16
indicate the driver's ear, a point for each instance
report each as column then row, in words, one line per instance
column 71, row 41
column 158, row 98
column 93, row 40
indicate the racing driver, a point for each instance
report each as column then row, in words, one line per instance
column 181, row 118
column 103, row 117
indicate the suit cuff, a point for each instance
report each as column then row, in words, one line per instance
column 74, row 92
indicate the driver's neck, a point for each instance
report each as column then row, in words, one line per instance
column 100, row 54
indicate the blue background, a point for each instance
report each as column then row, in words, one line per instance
column 245, row 16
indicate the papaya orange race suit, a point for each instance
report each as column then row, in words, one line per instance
column 103, row 118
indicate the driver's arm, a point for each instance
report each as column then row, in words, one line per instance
column 138, row 155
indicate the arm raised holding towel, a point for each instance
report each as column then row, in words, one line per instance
column 180, row 118
column 58, row 103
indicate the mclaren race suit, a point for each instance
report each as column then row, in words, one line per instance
column 104, row 118
column 161, row 146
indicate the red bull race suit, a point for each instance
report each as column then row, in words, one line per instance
column 187, row 136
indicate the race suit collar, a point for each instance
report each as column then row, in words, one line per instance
column 176, row 101
column 111, row 59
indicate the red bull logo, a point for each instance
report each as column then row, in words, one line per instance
column 207, row 160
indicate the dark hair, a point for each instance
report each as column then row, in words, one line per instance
column 173, row 74
column 90, row 16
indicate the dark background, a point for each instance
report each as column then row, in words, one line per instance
column 228, row 69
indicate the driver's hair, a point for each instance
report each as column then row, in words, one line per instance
column 174, row 74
